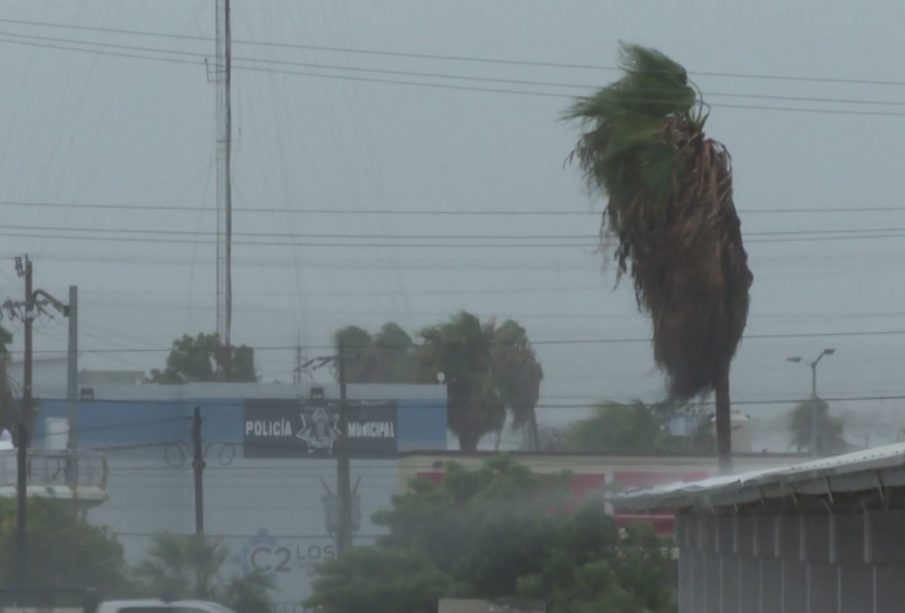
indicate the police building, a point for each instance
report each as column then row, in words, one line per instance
column 270, row 476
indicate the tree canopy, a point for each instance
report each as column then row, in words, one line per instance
column 489, row 369
column 386, row 357
column 8, row 412
column 670, row 209
column 830, row 429
column 493, row 532
column 635, row 429
column 202, row 358
column 65, row 552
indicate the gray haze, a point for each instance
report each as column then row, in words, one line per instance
column 94, row 128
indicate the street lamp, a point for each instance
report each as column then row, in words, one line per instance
column 814, row 408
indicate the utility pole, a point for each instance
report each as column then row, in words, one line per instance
column 297, row 372
column 223, row 79
column 343, row 472
column 24, row 268
column 72, row 373
column 198, row 465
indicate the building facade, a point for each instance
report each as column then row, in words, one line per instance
column 826, row 536
column 270, row 476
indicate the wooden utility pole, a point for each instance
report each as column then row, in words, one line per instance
column 24, row 268
column 198, row 465
column 343, row 472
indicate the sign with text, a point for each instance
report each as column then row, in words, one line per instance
column 280, row 428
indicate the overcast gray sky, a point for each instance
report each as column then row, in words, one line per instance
column 80, row 127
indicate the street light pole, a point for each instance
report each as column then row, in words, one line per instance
column 814, row 399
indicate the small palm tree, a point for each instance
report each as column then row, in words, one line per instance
column 179, row 566
column 461, row 349
column 670, row 210
column 519, row 376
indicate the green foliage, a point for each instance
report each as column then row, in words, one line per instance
column 6, row 339
column 670, row 209
column 629, row 115
column 519, row 376
column 489, row 369
column 492, row 532
column 8, row 407
column 379, row 581
column 633, row 429
column 461, row 349
column 182, row 567
column 202, row 358
column 387, row 357
column 65, row 551
column 830, row 429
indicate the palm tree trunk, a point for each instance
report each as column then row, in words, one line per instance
column 468, row 441
column 723, row 424
column 534, row 432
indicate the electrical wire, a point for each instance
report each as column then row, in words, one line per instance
column 433, row 85
column 433, row 56
column 426, row 237
column 408, row 212
column 560, row 341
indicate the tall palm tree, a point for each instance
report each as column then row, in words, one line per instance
column 670, row 210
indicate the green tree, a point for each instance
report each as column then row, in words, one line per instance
column 519, row 376
column 493, row 532
column 461, row 349
column 8, row 413
column 179, row 566
column 670, row 209
column 830, row 429
column 632, row 429
column 203, row 358
column 489, row 369
column 356, row 344
column 387, row 357
column 65, row 552
column 615, row 428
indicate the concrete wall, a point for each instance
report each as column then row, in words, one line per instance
column 268, row 513
column 786, row 562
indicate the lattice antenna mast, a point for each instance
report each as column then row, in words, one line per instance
column 222, row 77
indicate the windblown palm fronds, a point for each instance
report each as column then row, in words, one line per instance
column 670, row 210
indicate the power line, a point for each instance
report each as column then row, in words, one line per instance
column 426, row 237
column 561, row 342
column 405, row 82
column 373, row 236
column 424, row 245
column 427, row 212
column 457, row 77
column 434, row 56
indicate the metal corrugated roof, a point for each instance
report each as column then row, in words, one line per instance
column 861, row 470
